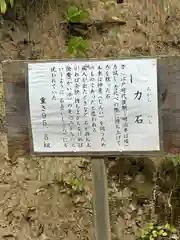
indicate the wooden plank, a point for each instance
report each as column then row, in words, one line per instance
column 101, row 207
column 16, row 104
column 169, row 82
column 16, row 107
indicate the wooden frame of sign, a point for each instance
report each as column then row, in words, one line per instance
column 19, row 134
column 17, row 112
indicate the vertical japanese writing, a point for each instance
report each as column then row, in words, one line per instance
column 69, row 90
column 71, row 124
column 108, row 82
column 149, row 98
column 117, row 112
column 69, row 97
column 93, row 100
column 149, row 94
column 62, row 108
column 137, row 96
column 124, row 106
column 141, row 118
column 85, row 105
column 53, row 75
column 61, row 90
column 64, row 129
column 44, row 121
column 101, row 105
column 77, row 100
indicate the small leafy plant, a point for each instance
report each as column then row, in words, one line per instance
column 76, row 185
column 156, row 232
column 76, row 15
column 176, row 160
column 77, row 46
column 4, row 4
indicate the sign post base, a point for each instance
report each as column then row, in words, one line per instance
column 100, row 197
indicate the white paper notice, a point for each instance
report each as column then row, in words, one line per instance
column 94, row 106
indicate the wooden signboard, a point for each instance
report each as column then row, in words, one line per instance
column 100, row 109
column 93, row 108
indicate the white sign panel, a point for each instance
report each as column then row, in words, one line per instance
column 94, row 106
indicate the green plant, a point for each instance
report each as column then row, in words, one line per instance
column 76, row 15
column 157, row 232
column 4, row 4
column 76, row 185
column 175, row 160
column 77, row 46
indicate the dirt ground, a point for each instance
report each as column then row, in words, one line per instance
column 51, row 198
